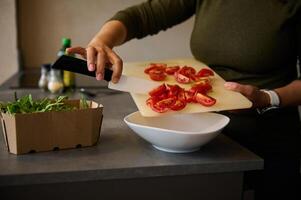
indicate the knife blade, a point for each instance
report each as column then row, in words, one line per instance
column 126, row 83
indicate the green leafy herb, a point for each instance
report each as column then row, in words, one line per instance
column 26, row 104
column 83, row 103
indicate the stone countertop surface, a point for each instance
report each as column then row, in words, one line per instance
column 119, row 154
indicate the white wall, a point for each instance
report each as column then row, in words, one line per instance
column 8, row 39
column 43, row 23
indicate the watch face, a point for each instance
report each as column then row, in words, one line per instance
column 266, row 109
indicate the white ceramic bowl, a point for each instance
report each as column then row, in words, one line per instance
column 177, row 133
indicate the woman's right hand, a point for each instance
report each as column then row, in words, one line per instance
column 99, row 56
column 99, row 52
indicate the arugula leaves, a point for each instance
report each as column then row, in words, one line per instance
column 26, row 104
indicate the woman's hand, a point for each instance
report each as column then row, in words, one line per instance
column 98, row 56
column 259, row 99
column 99, row 52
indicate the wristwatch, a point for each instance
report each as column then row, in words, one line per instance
column 274, row 101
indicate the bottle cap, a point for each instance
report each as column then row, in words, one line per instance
column 66, row 42
column 46, row 66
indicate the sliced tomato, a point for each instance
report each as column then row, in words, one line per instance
column 188, row 71
column 151, row 101
column 173, row 90
column 181, row 95
column 178, row 105
column 205, row 100
column 157, row 74
column 158, row 106
column 172, row 69
column 204, row 80
column 158, row 91
column 189, row 96
column 166, row 102
column 150, row 67
column 163, row 105
column 205, row 72
column 201, row 87
column 155, row 107
column 195, row 78
column 158, row 66
column 181, row 78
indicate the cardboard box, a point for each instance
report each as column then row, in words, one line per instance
column 35, row 132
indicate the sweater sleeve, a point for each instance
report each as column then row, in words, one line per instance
column 152, row 16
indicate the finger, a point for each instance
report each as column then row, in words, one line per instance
column 246, row 90
column 117, row 65
column 231, row 85
column 91, row 60
column 77, row 50
column 100, row 65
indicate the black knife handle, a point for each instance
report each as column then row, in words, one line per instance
column 77, row 65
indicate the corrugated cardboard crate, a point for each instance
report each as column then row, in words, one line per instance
column 35, row 132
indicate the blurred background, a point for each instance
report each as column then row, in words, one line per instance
column 31, row 32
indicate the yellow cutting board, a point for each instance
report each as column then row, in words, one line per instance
column 225, row 99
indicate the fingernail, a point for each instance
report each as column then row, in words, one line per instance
column 99, row 76
column 230, row 85
column 115, row 80
column 91, row 67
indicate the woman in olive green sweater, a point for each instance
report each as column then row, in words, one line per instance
column 253, row 44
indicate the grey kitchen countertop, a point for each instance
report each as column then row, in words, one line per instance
column 119, row 154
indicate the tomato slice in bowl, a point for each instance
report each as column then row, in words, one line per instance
column 205, row 100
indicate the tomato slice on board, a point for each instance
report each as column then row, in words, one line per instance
column 163, row 105
column 158, row 66
column 178, row 105
column 166, row 102
column 181, row 95
column 189, row 96
column 204, row 99
column 157, row 74
column 172, row 69
column 205, row 72
column 195, row 78
column 173, row 90
column 151, row 101
column 181, row 78
column 155, row 107
column 201, row 87
column 188, row 71
column 160, row 90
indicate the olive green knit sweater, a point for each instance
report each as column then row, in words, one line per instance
column 250, row 41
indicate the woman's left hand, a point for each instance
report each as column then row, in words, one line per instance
column 259, row 98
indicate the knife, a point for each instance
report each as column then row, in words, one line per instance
column 126, row 83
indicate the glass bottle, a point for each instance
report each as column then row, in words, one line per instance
column 68, row 77
column 55, row 83
column 43, row 81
